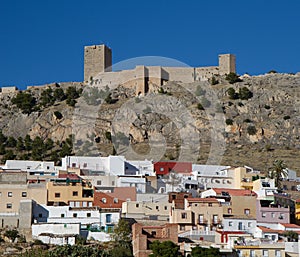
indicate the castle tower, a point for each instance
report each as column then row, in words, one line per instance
column 226, row 63
column 97, row 59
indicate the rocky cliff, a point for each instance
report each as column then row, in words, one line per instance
column 250, row 122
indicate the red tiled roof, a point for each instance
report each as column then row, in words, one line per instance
column 288, row 225
column 203, row 200
column 235, row 192
column 124, row 193
column 269, row 230
column 69, row 175
column 109, row 201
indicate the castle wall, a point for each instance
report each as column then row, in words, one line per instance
column 205, row 73
column 182, row 74
column 97, row 65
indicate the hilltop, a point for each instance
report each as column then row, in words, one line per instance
column 255, row 119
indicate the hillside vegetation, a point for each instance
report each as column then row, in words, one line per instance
column 254, row 120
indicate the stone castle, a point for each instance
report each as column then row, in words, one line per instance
column 98, row 71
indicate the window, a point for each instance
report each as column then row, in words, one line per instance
column 88, row 214
column 249, row 224
column 265, row 253
column 252, row 253
column 24, row 194
column 113, row 183
column 116, row 200
column 247, row 211
column 137, row 205
column 277, row 253
column 157, row 207
column 62, row 215
column 153, row 233
column 48, row 168
column 230, row 223
column 209, row 204
column 281, row 216
column 161, row 169
column 40, row 215
column 183, row 215
column 73, row 165
column 57, row 195
column 166, row 208
column 229, row 211
column 75, row 215
column 173, row 197
column 182, row 227
column 108, row 218
column 9, row 194
column 263, row 214
column 75, row 193
column 85, row 165
column 273, row 215
column 8, row 205
column 99, row 182
column 103, row 200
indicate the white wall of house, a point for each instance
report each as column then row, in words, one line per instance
column 258, row 233
column 247, row 225
column 130, row 181
column 141, row 167
column 100, row 236
column 44, row 231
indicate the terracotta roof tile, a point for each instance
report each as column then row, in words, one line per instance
column 235, row 192
column 109, row 202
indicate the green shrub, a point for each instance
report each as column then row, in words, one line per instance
column 251, row 130
column 200, row 107
column 272, row 71
column 245, row 93
column 229, row 122
column 232, row 94
column 232, row 78
column 287, row 117
column 214, row 81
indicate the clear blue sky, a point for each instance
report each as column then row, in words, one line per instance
column 42, row 41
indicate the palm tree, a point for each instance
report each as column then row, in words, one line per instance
column 278, row 172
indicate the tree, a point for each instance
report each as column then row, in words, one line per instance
column 232, row 94
column 164, row 249
column 245, row 93
column 207, row 252
column 122, row 240
column 25, row 102
column 232, row 78
column 278, row 172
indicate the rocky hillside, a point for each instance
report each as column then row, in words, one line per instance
column 251, row 121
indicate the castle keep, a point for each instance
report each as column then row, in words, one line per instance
column 98, row 71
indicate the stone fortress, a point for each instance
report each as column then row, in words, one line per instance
column 98, row 71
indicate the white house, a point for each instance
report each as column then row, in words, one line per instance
column 54, row 233
column 236, row 223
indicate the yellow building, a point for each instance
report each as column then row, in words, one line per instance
column 261, row 250
column 198, row 213
column 70, row 189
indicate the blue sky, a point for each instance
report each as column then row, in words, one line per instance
column 43, row 41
